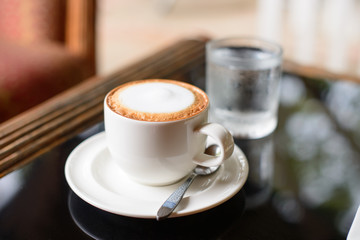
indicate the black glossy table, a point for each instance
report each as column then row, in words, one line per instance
column 303, row 181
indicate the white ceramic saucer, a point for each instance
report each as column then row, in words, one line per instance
column 94, row 177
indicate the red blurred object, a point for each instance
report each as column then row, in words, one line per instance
column 45, row 48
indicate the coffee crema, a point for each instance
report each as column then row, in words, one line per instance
column 157, row 100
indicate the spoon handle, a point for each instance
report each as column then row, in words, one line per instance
column 171, row 203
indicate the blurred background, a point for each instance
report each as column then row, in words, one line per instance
column 318, row 33
column 47, row 47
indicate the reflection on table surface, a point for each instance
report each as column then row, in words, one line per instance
column 303, row 181
column 206, row 225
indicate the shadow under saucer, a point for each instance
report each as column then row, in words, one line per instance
column 209, row 224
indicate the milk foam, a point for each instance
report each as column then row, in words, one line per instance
column 157, row 100
column 156, row 97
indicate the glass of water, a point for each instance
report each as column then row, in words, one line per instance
column 242, row 81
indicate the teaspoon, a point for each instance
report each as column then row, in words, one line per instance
column 171, row 203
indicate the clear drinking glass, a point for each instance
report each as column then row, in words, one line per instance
column 242, row 81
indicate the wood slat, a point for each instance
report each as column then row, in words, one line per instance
column 64, row 116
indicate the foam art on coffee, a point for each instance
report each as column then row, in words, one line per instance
column 157, row 100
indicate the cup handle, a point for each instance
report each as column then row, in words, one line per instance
column 222, row 138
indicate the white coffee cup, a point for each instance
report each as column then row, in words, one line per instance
column 155, row 151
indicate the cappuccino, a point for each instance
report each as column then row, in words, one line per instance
column 157, row 100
